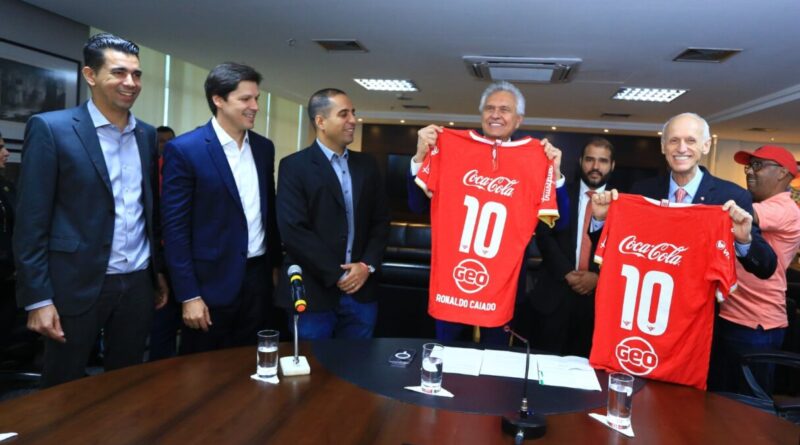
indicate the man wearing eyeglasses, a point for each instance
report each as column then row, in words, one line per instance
column 754, row 318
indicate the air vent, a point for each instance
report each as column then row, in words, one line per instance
column 616, row 115
column 706, row 55
column 416, row 107
column 341, row 45
column 522, row 69
column 761, row 130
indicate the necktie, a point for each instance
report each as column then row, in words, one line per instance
column 680, row 194
column 586, row 243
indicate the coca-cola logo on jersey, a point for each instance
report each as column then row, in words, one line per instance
column 499, row 185
column 666, row 253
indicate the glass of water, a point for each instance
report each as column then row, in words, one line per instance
column 432, row 367
column 620, row 394
column 267, row 355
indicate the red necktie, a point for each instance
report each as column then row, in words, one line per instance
column 680, row 194
column 586, row 243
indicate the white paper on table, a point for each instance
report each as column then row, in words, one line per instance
column 507, row 364
column 569, row 372
column 465, row 361
column 4, row 436
column 602, row 419
column 442, row 392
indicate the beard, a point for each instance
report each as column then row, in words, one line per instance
column 594, row 183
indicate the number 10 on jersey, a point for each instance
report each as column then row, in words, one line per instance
column 475, row 240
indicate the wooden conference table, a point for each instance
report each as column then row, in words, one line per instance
column 209, row 398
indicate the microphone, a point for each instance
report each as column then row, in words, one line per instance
column 523, row 424
column 298, row 290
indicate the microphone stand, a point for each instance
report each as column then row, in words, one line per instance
column 524, row 424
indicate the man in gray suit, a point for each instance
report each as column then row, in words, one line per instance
column 86, row 234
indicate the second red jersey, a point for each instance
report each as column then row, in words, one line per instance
column 487, row 198
column 654, row 303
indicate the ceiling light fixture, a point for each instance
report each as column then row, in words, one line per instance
column 663, row 95
column 402, row 121
column 452, row 123
column 387, row 84
column 554, row 128
column 605, row 130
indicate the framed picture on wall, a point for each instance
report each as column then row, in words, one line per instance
column 11, row 170
column 33, row 81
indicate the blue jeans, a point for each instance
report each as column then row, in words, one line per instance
column 350, row 319
column 449, row 331
column 731, row 342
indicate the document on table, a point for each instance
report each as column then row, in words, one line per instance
column 507, row 364
column 569, row 372
column 462, row 360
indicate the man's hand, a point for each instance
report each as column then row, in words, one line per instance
column 357, row 275
column 162, row 293
column 553, row 154
column 600, row 203
column 45, row 321
column 426, row 138
column 195, row 314
column 582, row 282
column 742, row 222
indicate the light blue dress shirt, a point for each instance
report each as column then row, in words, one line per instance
column 130, row 248
column 340, row 167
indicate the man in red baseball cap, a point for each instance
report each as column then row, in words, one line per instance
column 753, row 318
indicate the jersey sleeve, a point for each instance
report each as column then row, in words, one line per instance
column 428, row 175
column 601, row 243
column 548, row 209
column 722, row 257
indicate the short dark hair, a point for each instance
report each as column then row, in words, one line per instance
column 320, row 102
column 93, row 56
column 164, row 129
column 597, row 141
column 225, row 78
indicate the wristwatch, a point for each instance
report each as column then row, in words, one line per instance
column 370, row 268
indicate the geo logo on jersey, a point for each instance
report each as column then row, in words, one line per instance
column 470, row 276
column 636, row 356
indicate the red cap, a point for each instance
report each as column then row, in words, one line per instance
column 771, row 152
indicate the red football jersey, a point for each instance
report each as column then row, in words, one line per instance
column 487, row 197
column 654, row 305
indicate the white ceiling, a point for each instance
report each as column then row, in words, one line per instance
column 621, row 42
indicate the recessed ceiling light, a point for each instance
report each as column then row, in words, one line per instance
column 402, row 121
column 663, row 95
column 605, row 130
column 452, row 123
column 554, row 128
column 361, row 119
column 772, row 139
column 387, row 84
column 713, row 135
column 660, row 133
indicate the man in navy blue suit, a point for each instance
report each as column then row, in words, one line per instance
column 218, row 205
column 86, row 236
column 685, row 139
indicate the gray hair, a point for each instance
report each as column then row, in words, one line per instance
column 504, row 86
column 706, row 129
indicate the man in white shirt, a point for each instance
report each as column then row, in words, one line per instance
column 220, row 234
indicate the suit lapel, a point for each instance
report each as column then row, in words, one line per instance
column 260, row 159
column 705, row 188
column 145, row 157
column 356, row 176
column 326, row 173
column 221, row 163
column 84, row 128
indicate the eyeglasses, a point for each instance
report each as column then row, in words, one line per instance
column 757, row 165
